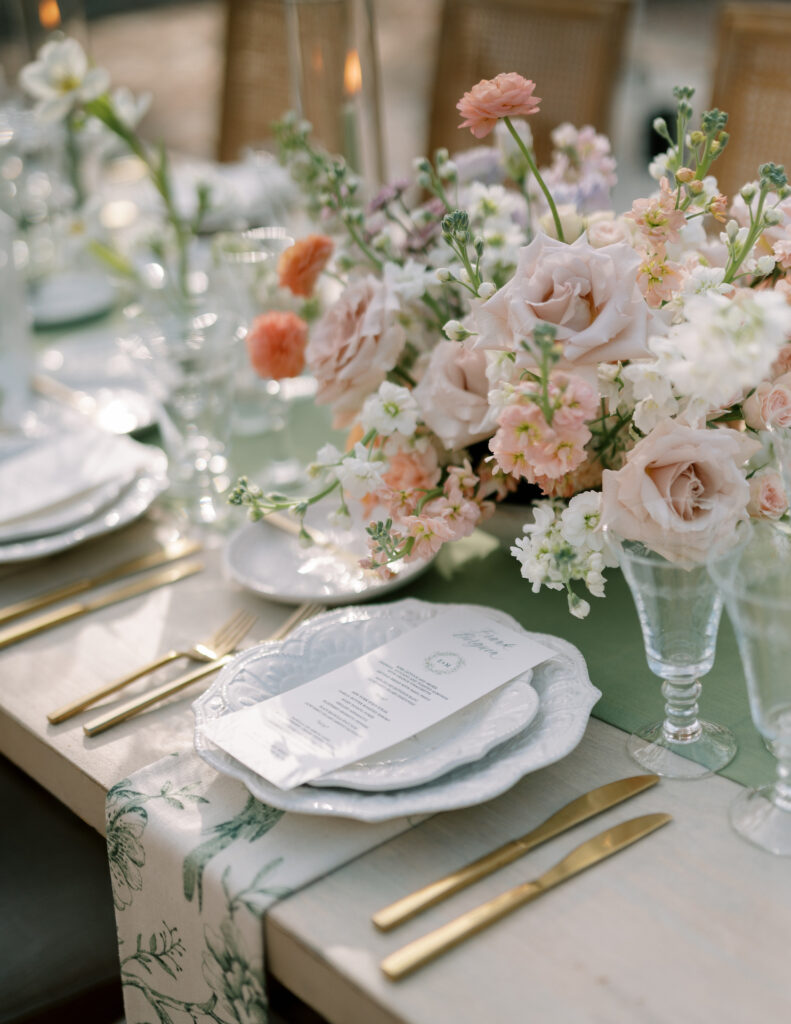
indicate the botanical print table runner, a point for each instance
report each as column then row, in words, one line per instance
column 195, row 862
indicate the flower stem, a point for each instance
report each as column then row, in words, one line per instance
column 73, row 158
column 534, row 170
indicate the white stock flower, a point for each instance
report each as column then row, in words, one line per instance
column 580, row 523
column 358, row 474
column 562, row 545
column 652, row 393
column 706, row 279
column 392, row 410
column 60, row 78
column 725, row 346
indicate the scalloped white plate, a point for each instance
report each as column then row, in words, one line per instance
column 565, row 694
column 264, row 559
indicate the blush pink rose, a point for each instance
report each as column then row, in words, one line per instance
column 507, row 95
column 680, row 490
column 354, row 345
column 769, row 404
column 589, row 295
column 767, row 496
column 452, row 394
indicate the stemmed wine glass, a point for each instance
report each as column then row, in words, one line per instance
column 755, row 581
column 679, row 609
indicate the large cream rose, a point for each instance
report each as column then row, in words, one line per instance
column 452, row 395
column 680, row 491
column 589, row 295
column 354, row 345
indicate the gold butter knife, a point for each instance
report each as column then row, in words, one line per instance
column 579, row 810
column 169, row 553
column 426, row 948
column 77, row 608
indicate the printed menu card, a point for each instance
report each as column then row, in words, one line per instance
column 379, row 699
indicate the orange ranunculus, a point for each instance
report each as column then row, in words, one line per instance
column 299, row 266
column 276, row 345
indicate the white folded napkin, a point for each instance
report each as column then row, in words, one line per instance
column 64, row 479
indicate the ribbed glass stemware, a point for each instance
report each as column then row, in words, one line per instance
column 755, row 581
column 679, row 611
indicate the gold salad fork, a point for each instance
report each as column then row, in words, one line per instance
column 146, row 700
column 219, row 643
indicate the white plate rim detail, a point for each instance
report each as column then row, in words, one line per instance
column 561, row 706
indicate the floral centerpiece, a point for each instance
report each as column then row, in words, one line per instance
column 509, row 327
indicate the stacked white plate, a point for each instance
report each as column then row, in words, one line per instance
column 77, row 483
column 472, row 756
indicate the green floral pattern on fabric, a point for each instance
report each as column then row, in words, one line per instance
column 195, row 861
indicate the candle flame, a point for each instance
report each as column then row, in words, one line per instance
column 49, row 13
column 352, row 73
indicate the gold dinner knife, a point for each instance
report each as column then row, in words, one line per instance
column 579, row 810
column 77, row 608
column 427, row 947
column 162, row 556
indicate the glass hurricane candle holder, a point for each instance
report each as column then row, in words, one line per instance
column 679, row 610
column 755, row 581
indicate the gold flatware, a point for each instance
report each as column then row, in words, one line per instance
column 77, row 608
column 427, row 947
column 218, row 644
column 133, row 707
column 170, row 553
column 574, row 813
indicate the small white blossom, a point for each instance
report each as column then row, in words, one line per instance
column 563, row 545
column 358, row 474
column 340, row 517
column 486, row 290
column 391, row 410
column 60, row 79
column 328, row 455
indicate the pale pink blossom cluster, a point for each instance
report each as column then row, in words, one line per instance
column 659, row 223
column 528, row 444
column 423, row 526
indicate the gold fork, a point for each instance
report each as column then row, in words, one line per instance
column 219, row 643
column 133, row 707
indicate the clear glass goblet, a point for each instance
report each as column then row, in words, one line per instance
column 188, row 354
column 755, row 581
column 245, row 277
column 679, row 610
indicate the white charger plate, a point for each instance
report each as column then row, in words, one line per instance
column 65, row 515
column 565, row 693
column 265, row 559
column 70, row 297
column 150, row 481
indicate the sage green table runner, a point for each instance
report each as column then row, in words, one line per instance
column 480, row 570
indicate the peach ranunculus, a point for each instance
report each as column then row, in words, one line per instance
column 453, row 395
column 589, row 295
column 276, row 344
column 507, row 95
column 767, row 495
column 355, row 344
column 769, row 404
column 680, row 490
column 299, row 266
